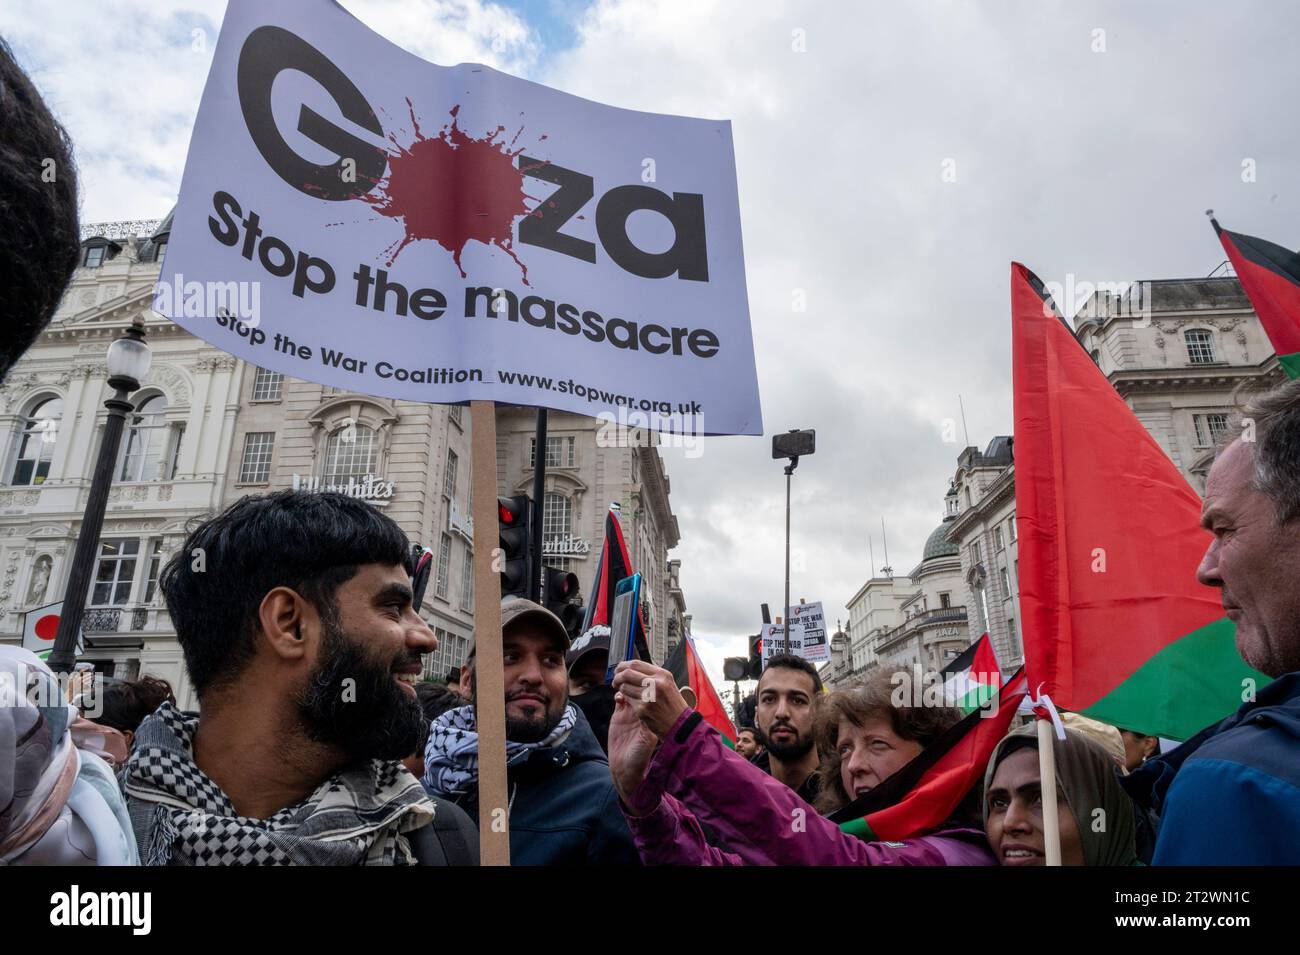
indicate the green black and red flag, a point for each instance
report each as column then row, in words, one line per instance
column 1270, row 276
column 613, row 566
column 927, row 791
column 688, row 670
column 1115, row 624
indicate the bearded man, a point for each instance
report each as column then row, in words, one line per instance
column 294, row 613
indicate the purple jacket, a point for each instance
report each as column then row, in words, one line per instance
column 760, row 818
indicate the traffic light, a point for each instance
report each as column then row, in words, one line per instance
column 514, row 519
column 756, row 656
column 560, row 596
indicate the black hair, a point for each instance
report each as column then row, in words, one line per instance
column 305, row 540
column 128, row 702
column 436, row 699
column 792, row 662
column 38, row 206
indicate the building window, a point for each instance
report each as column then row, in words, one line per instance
column 557, row 516
column 94, row 257
column 1200, row 346
column 255, row 467
column 267, row 385
column 1006, row 584
column 155, row 565
column 160, row 249
column 467, row 580
column 350, row 452
column 997, row 538
column 1011, row 529
column 36, row 440
column 112, row 584
column 145, row 455
column 454, row 413
column 945, row 600
column 975, row 553
column 449, row 477
column 1210, row 428
column 559, row 452
column 444, row 565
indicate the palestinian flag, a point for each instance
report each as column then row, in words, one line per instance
column 687, row 670
column 972, row 679
column 1270, row 275
column 927, row 791
column 1115, row 625
column 613, row 566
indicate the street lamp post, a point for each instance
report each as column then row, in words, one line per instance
column 792, row 444
column 128, row 362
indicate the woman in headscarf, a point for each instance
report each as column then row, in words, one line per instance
column 59, row 803
column 1096, row 815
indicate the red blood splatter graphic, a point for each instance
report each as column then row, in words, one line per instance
column 453, row 189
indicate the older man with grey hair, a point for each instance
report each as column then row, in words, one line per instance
column 1231, row 794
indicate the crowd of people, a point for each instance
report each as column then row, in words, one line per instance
column 317, row 743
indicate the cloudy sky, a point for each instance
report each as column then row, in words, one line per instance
column 892, row 158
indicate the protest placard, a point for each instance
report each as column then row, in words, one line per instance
column 814, row 647
column 359, row 217
column 776, row 640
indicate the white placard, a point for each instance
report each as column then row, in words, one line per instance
column 815, row 647
column 359, row 217
column 775, row 640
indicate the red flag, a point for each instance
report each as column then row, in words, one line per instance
column 688, row 670
column 613, row 566
column 1115, row 624
column 1270, row 276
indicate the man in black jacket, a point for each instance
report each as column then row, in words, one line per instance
column 563, row 808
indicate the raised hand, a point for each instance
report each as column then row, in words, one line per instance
column 631, row 747
column 653, row 694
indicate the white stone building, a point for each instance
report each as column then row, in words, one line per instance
column 170, row 466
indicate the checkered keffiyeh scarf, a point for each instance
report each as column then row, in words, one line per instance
column 181, row 817
column 451, row 756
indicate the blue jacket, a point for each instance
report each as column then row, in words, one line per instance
column 563, row 806
column 1230, row 795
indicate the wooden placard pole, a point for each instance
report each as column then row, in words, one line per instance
column 1047, row 783
column 490, row 706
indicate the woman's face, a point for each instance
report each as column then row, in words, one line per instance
column 870, row 754
column 1015, row 824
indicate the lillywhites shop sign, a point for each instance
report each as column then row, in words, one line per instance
column 566, row 546
column 368, row 488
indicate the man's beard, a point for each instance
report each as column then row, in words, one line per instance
column 353, row 702
column 534, row 729
column 787, row 750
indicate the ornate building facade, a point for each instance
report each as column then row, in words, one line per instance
column 170, row 466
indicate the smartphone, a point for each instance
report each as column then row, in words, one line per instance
column 622, row 629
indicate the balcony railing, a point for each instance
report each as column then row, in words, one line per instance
column 104, row 621
column 925, row 618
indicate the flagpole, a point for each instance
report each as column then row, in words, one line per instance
column 1047, row 778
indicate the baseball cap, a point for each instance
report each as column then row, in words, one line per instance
column 594, row 640
column 517, row 609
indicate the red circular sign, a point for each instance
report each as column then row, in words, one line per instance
column 47, row 626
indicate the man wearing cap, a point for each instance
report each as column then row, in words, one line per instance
column 587, row 661
column 563, row 807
